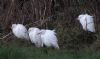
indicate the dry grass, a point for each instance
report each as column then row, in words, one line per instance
column 52, row 14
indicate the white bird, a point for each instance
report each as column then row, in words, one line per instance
column 49, row 38
column 87, row 22
column 35, row 36
column 20, row 31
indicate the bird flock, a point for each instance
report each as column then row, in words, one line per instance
column 40, row 37
column 46, row 37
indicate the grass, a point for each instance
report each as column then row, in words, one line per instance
column 20, row 49
column 43, row 53
column 68, row 30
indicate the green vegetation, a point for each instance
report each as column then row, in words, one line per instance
column 51, row 14
column 44, row 53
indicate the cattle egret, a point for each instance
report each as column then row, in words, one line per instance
column 35, row 36
column 49, row 38
column 87, row 22
column 20, row 31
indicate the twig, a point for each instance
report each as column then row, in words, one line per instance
column 6, row 35
column 30, row 24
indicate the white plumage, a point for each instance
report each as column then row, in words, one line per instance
column 49, row 38
column 20, row 31
column 87, row 22
column 35, row 36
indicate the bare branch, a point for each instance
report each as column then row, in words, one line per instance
column 6, row 35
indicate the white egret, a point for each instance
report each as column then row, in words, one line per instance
column 87, row 22
column 20, row 31
column 35, row 36
column 49, row 38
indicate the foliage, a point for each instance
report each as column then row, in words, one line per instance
column 34, row 53
column 52, row 14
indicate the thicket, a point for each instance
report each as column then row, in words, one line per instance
column 53, row 14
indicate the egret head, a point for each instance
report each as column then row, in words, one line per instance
column 80, row 16
column 13, row 25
